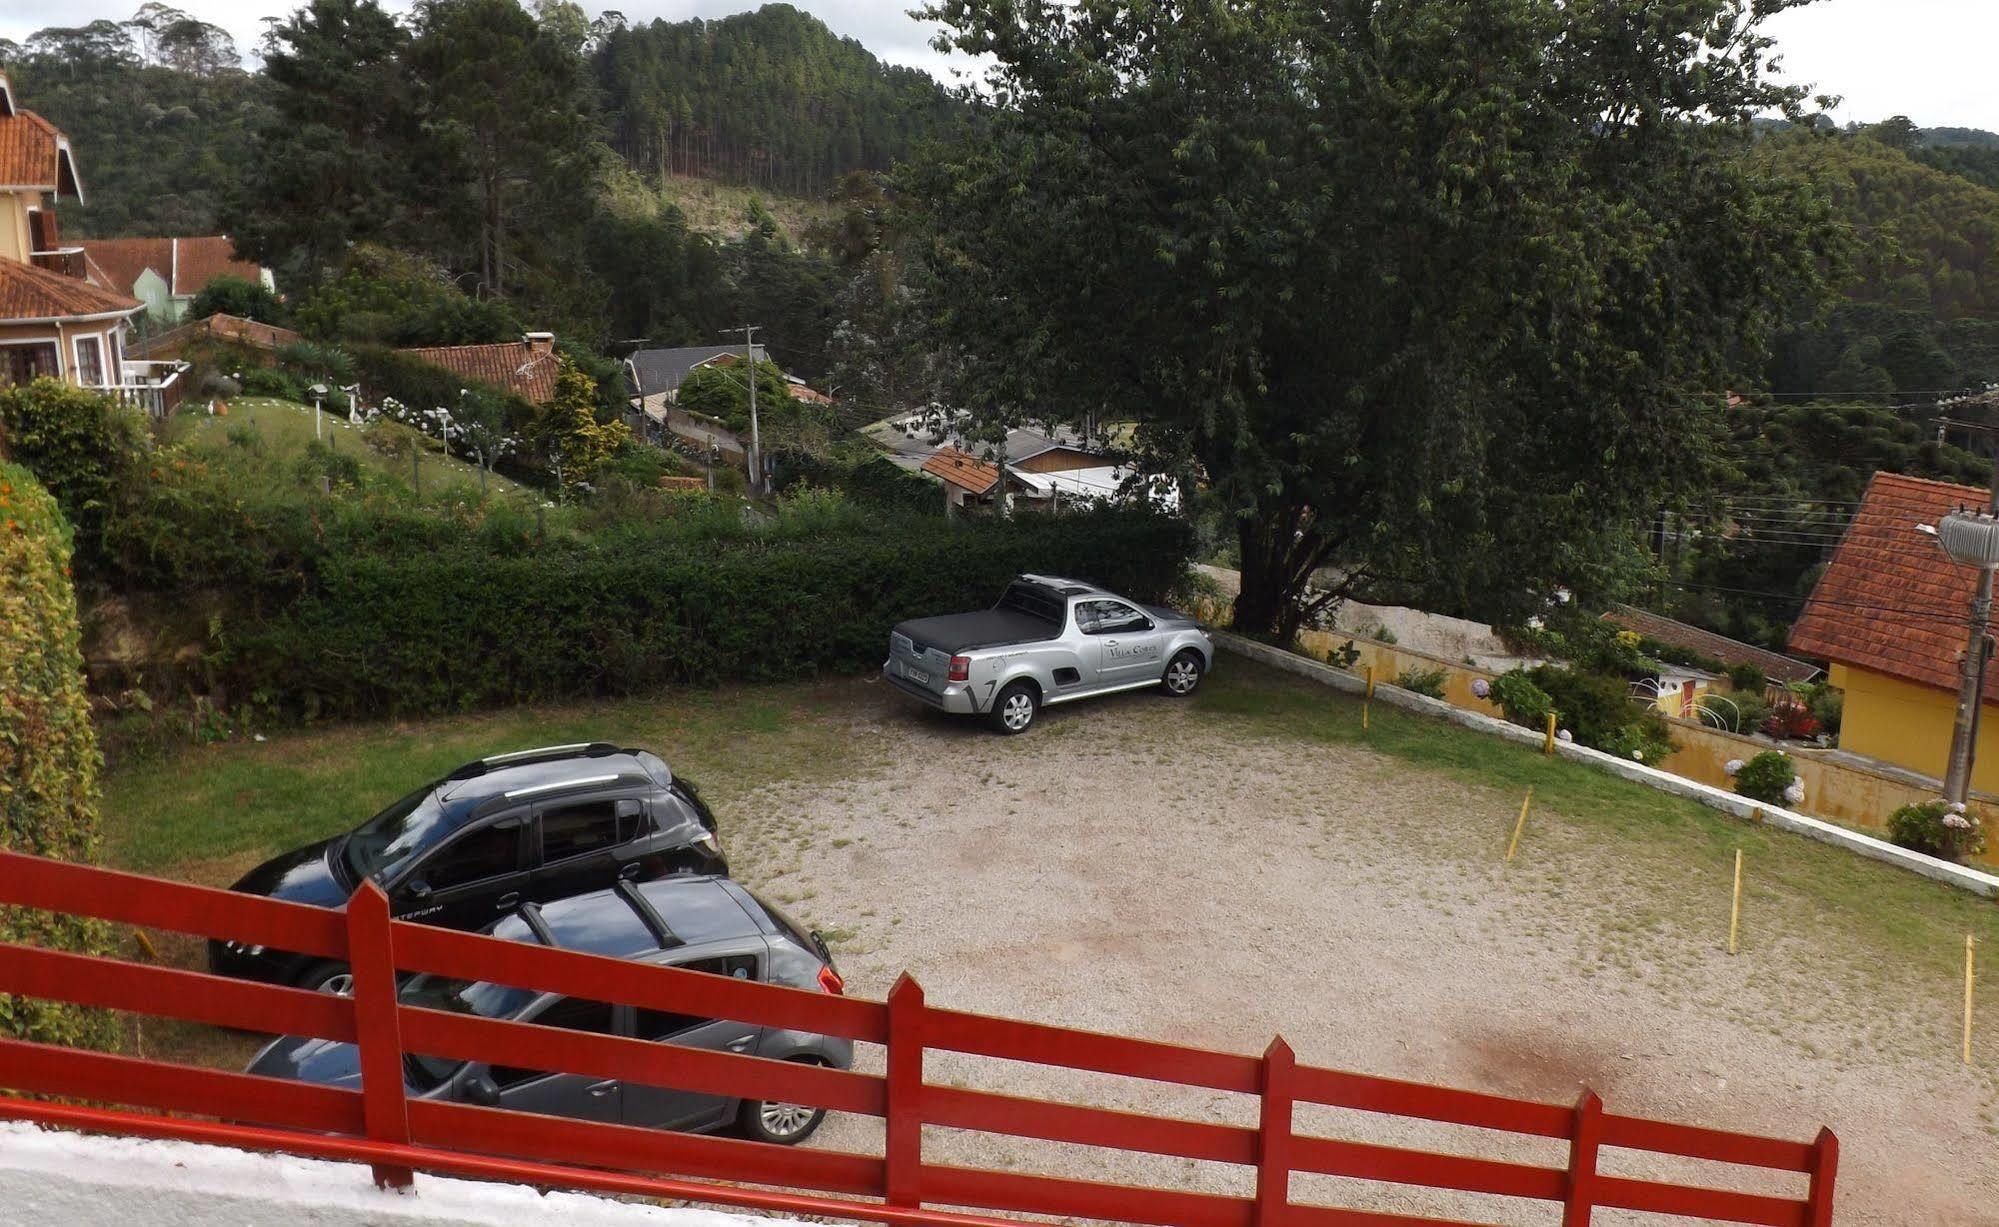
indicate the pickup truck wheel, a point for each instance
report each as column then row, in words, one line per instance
column 1015, row 708
column 1183, row 673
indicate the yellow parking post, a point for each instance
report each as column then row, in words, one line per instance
column 1368, row 702
column 1735, row 905
column 1548, row 746
column 1970, row 977
column 1513, row 844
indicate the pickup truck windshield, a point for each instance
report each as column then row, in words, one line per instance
column 385, row 843
column 1035, row 602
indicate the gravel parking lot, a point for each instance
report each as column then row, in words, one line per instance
column 1179, row 871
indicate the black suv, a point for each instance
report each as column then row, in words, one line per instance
column 518, row 828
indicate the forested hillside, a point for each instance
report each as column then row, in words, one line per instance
column 772, row 98
column 159, row 138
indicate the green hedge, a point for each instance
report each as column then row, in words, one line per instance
column 472, row 626
column 48, row 750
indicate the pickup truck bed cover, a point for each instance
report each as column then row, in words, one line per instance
column 986, row 628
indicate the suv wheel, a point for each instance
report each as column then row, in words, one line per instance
column 1015, row 709
column 783, row 1124
column 1183, row 673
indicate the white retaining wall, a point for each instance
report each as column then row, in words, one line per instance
column 52, row 1178
column 1976, row 881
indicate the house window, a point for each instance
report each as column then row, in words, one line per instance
column 90, row 362
column 26, row 363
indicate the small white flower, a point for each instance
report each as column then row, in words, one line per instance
column 1957, row 822
column 1732, row 766
column 1481, row 687
column 1565, row 735
column 1639, row 755
column 1795, row 794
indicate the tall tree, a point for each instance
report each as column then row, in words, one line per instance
column 503, row 101
column 341, row 156
column 1432, row 292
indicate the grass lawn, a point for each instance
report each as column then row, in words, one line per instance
column 285, row 428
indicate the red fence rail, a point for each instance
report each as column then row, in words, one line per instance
column 380, row 1125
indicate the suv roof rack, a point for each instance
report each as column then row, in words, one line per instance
column 648, row 915
column 541, row 754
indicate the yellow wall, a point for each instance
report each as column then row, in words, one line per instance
column 14, row 239
column 1909, row 724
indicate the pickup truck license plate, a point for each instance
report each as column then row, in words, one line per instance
column 916, row 675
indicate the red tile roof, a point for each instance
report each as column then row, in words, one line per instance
column 1891, row 601
column 1775, row 665
column 35, row 154
column 188, row 264
column 966, row 472
column 525, row 368
column 30, row 293
column 218, row 327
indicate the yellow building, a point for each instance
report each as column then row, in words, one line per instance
column 1891, row 615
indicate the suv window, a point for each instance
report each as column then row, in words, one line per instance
column 660, row 1024
column 569, row 1013
column 576, row 827
column 484, row 853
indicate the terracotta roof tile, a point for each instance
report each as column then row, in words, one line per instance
column 966, row 472
column 1775, row 665
column 33, row 153
column 30, row 293
column 525, row 368
column 190, row 263
column 1891, row 601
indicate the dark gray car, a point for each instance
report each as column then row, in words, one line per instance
column 699, row 923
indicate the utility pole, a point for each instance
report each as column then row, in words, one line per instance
column 1973, row 539
column 756, row 439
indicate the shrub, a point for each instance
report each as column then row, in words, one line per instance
column 1767, row 777
column 82, row 448
column 1598, row 711
column 1747, row 678
column 1344, row 656
column 1937, row 828
column 1828, row 707
column 48, row 749
column 1424, row 681
column 1521, row 700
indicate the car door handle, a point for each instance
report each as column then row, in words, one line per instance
column 601, row 1089
column 630, row 871
column 510, row 900
column 741, row 1045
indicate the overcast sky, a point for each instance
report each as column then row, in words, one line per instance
column 1927, row 59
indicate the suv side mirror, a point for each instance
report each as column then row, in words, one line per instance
column 480, row 1090
column 417, row 889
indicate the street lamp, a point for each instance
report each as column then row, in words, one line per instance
column 1972, row 538
column 318, row 391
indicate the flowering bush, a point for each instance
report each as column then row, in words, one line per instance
column 1790, row 719
column 1937, row 828
column 1768, row 778
column 1521, row 700
column 1423, row 681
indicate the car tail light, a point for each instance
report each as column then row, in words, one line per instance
column 961, row 668
column 830, row 981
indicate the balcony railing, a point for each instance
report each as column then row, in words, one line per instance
column 155, row 387
column 383, row 1125
column 65, row 260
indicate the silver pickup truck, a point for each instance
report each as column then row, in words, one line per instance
column 1048, row 640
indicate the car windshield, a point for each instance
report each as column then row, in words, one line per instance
column 381, row 846
column 455, row 996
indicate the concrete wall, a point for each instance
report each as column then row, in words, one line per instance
column 52, row 1178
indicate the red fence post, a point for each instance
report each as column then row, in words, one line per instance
column 377, row 1030
column 902, row 1151
column 1273, row 1150
column 1825, row 1166
column 1583, row 1143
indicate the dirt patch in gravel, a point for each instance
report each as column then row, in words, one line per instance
column 1149, row 868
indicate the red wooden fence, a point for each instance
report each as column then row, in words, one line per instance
column 380, row 1126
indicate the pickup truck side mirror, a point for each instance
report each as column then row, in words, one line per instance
column 480, row 1090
